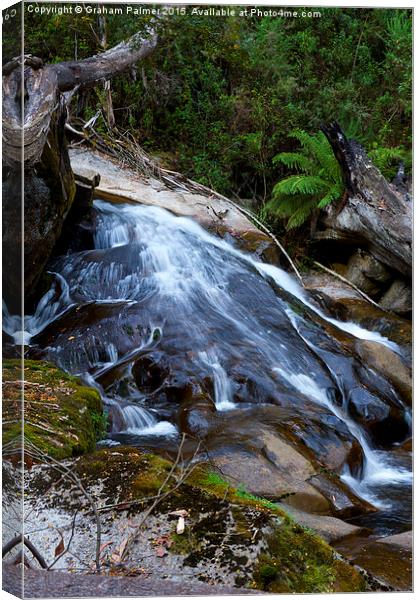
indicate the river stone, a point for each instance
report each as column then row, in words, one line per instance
column 388, row 559
column 330, row 529
column 387, row 363
column 370, row 267
column 121, row 184
column 404, row 540
column 344, row 303
column 398, row 298
column 273, row 480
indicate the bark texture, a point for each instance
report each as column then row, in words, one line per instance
column 376, row 216
column 34, row 115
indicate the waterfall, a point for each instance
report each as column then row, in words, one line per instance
column 160, row 286
column 377, row 467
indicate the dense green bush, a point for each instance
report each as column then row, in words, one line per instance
column 219, row 96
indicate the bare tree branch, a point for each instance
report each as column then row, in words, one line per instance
column 107, row 64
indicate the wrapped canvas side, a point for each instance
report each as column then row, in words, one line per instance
column 13, row 368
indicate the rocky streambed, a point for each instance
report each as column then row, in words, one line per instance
column 295, row 412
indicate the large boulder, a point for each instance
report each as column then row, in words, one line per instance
column 230, row 535
column 367, row 273
column 398, row 298
column 121, row 184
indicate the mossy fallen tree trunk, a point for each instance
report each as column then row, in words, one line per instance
column 375, row 216
column 34, row 116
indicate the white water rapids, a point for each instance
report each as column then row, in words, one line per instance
column 204, row 302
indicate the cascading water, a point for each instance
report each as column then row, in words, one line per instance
column 159, row 307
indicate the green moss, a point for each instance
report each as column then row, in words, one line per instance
column 62, row 417
column 183, row 544
column 294, row 558
column 299, row 561
column 213, row 483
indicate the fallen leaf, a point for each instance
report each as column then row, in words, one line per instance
column 60, row 548
column 161, row 551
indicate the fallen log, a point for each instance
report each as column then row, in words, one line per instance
column 34, row 117
column 376, row 216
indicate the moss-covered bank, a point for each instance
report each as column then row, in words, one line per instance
column 62, row 417
column 231, row 536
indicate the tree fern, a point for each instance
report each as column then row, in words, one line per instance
column 317, row 184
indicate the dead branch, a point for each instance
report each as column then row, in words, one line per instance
column 22, row 539
column 160, row 495
column 67, row 548
column 352, row 285
column 107, row 64
column 32, row 450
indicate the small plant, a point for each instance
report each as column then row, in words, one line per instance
column 317, row 184
column 387, row 160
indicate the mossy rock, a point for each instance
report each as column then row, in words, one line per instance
column 251, row 541
column 297, row 560
column 62, row 417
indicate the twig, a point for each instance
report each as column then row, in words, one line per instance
column 69, row 473
column 19, row 539
column 79, row 133
column 352, row 285
column 73, row 524
column 161, row 496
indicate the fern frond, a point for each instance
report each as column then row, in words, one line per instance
column 312, row 144
column 334, row 193
column 300, row 184
column 295, row 160
column 284, row 206
column 300, row 215
column 318, row 184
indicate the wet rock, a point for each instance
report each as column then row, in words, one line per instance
column 388, row 559
column 197, row 412
column 330, row 529
column 262, row 478
column 389, row 364
column 403, row 540
column 150, row 372
column 343, row 303
column 344, row 503
column 273, row 467
column 398, row 298
column 385, row 422
column 363, row 267
column 260, row 245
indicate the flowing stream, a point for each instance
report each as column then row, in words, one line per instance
column 159, row 315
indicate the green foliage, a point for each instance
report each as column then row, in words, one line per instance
column 387, row 160
column 318, row 184
column 219, row 97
